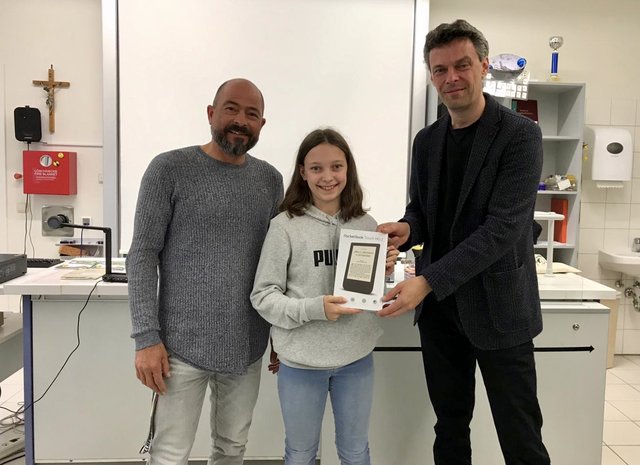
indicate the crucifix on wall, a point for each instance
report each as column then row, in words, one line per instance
column 50, row 87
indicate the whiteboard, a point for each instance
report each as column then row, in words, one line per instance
column 347, row 64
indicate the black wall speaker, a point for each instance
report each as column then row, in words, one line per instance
column 28, row 124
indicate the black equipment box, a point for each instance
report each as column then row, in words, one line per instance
column 12, row 266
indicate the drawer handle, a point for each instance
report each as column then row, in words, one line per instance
column 576, row 327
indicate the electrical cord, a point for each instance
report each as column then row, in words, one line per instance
column 81, row 240
column 28, row 221
column 10, row 421
column 23, row 409
column 13, row 412
column 30, row 210
column 15, row 417
column 16, row 427
column 16, row 456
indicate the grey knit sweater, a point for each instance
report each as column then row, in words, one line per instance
column 199, row 228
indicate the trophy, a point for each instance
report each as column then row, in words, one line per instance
column 555, row 43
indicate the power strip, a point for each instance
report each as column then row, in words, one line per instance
column 11, row 441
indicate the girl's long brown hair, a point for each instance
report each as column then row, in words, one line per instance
column 298, row 196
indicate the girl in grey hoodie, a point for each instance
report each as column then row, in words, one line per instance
column 324, row 347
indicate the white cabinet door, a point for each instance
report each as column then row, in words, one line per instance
column 97, row 410
column 571, row 382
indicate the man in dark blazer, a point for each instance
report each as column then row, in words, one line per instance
column 474, row 176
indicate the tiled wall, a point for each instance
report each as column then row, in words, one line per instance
column 610, row 218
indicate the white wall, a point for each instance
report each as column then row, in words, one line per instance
column 33, row 35
column 3, row 161
column 600, row 49
column 345, row 64
column 594, row 50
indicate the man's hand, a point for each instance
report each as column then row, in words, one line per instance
column 398, row 232
column 408, row 294
column 333, row 310
column 152, row 366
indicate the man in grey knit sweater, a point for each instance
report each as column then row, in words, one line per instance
column 202, row 215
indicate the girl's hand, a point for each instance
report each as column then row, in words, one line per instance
column 274, row 361
column 392, row 257
column 333, row 310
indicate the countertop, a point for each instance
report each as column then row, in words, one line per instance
column 49, row 281
column 563, row 286
column 571, row 286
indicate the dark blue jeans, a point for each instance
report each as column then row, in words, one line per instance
column 510, row 379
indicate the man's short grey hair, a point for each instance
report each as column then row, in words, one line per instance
column 446, row 33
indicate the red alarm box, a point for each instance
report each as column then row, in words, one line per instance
column 52, row 173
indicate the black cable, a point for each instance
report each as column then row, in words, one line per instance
column 30, row 210
column 26, row 219
column 14, row 412
column 23, row 408
column 81, row 239
column 16, row 422
column 18, row 427
column 16, row 456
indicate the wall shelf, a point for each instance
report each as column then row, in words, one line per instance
column 560, row 138
column 561, row 120
column 556, row 245
column 74, row 247
column 549, row 218
column 557, row 192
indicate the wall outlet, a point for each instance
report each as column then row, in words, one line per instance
column 86, row 221
column 52, row 210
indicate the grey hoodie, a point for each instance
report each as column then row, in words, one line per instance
column 296, row 269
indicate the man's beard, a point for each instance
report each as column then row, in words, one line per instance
column 237, row 148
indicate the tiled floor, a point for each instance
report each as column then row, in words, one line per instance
column 620, row 439
column 621, row 436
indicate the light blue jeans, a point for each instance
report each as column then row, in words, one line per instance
column 233, row 398
column 303, row 395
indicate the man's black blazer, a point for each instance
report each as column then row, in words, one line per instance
column 490, row 269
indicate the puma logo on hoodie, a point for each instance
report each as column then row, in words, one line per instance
column 326, row 257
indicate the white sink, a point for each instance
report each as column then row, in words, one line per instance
column 624, row 261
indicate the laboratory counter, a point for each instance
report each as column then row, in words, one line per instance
column 98, row 411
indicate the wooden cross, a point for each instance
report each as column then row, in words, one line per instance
column 50, row 87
